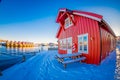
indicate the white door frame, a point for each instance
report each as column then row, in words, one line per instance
column 69, row 51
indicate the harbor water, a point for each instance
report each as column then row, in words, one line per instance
column 10, row 56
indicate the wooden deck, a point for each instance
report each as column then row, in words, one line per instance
column 63, row 58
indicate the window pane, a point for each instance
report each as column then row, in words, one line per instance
column 62, row 44
column 70, row 22
column 85, row 47
column 85, row 43
column 85, row 38
column 69, row 46
column 69, row 43
column 66, row 23
column 80, row 43
column 80, row 39
column 80, row 47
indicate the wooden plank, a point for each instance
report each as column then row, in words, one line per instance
column 68, row 55
column 59, row 59
column 73, row 60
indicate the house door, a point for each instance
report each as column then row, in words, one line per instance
column 69, row 45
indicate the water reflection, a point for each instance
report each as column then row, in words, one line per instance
column 19, row 50
column 12, row 55
column 16, row 50
column 45, row 48
column 117, row 70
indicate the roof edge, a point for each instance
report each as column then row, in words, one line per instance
column 109, row 27
column 90, row 15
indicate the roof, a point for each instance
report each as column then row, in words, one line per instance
column 90, row 15
column 80, row 13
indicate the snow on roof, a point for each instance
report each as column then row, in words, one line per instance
column 80, row 13
column 90, row 15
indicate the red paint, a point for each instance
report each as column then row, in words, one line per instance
column 99, row 34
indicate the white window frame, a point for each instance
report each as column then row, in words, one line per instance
column 83, row 51
column 69, row 22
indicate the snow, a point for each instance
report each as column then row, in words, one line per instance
column 44, row 66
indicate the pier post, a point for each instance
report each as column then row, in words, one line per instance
column 34, row 53
column 23, row 58
column 0, row 73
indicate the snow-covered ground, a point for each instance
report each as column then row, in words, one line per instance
column 44, row 66
column 117, row 70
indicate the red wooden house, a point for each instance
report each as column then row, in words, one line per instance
column 84, row 32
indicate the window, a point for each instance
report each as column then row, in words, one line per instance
column 62, row 43
column 68, row 22
column 83, row 43
column 69, row 43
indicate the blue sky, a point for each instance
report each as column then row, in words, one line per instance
column 34, row 20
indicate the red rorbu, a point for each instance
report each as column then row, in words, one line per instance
column 84, row 32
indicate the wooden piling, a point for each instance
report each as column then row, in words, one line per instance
column 23, row 58
column 0, row 73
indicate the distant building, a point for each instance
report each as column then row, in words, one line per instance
column 86, row 33
column 118, row 40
